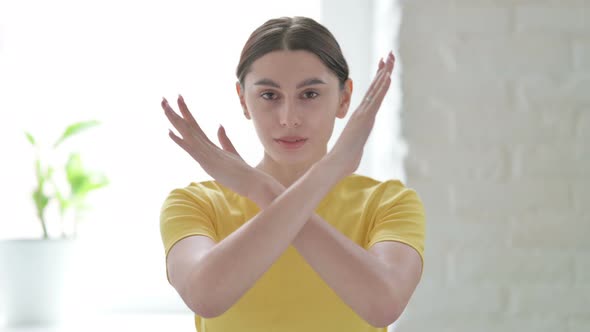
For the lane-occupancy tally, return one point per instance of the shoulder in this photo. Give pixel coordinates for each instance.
(378, 193)
(358, 182)
(211, 196)
(203, 190)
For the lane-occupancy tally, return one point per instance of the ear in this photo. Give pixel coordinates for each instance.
(242, 100)
(345, 96)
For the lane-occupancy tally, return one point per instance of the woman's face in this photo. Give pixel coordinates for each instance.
(293, 99)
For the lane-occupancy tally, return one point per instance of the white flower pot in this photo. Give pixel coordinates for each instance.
(35, 279)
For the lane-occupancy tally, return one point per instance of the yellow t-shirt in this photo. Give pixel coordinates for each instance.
(290, 296)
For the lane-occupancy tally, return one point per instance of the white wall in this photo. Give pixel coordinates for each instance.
(367, 31)
(68, 61)
(496, 113)
(113, 61)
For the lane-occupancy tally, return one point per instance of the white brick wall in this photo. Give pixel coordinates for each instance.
(496, 114)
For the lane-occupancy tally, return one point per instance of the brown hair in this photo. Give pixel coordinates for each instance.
(293, 33)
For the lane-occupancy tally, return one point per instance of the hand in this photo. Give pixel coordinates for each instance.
(347, 152)
(269, 187)
(227, 168)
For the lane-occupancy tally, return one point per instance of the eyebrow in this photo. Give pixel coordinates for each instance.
(307, 82)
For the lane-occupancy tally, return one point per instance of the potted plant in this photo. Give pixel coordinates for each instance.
(35, 273)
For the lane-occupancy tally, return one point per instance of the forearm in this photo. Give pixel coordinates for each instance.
(232, 266)
(356, 275)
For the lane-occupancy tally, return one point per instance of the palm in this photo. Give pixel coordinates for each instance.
(349, 147)
(226, 167)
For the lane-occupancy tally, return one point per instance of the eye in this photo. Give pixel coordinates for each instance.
(310, 94)
(269, 95)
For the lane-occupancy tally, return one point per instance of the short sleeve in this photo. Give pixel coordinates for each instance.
(186, 212)
(399, 217)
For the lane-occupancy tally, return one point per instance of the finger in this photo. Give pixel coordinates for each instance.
(178, 140)
(380, 66)
(389, 65)
(225, 142)
(176, 120)
(370, 94)
(195, 153)
(390, 62)
(381, 90)
(385, 69)
(195, 133)
(187, 115)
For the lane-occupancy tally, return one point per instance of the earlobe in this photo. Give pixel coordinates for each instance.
(345, 99)
(238, 88)
(242, 100)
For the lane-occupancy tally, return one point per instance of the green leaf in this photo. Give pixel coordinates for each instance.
(39, 172)
(43, 176)
(41, 201)
(63, 202)
(92, 181)
(74, 170)
(81, 180)
(87, 183)
(31, 138)
(49, 173)
(74, 129)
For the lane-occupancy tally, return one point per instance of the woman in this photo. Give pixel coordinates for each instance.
(299, 242)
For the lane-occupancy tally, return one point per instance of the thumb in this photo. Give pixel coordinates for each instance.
(225, 142)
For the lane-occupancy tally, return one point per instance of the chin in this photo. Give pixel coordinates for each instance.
(288, 157)
(285, 156)
(293, 159)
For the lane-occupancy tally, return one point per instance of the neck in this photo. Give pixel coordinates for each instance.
(285, 174)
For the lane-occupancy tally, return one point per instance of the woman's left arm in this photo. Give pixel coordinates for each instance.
(382, 278)
(379, 281)
(376, 283)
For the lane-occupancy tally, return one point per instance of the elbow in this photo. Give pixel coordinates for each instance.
(385, 312)
(384, 318)
(203, 305)
(204, 308)
(201, 300)
(205, 311)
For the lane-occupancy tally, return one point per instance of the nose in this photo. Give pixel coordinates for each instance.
(289, 116)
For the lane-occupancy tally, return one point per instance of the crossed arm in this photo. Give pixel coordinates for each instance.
(210, 277)
(376, 284)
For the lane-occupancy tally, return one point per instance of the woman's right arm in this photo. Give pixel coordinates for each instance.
(211, 277)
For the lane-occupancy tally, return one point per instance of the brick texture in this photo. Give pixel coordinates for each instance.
(496, 117)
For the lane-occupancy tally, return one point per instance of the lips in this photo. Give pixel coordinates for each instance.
(291, 142)
(291, 139)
